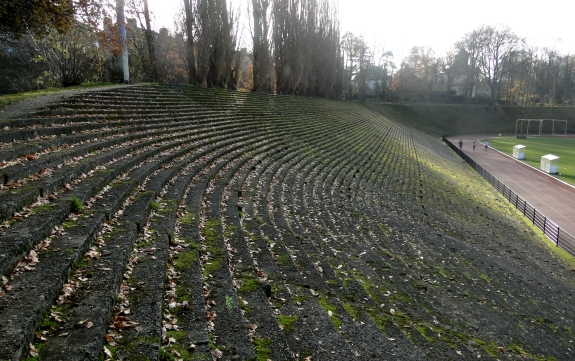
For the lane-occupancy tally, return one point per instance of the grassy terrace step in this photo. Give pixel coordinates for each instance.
(276, 221)
(447, 257)
(352, 248)
(210, 224)
(332, 278)
(276, 267)
(13, 201)
(136, 215)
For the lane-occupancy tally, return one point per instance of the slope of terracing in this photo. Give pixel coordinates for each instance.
(169, 223)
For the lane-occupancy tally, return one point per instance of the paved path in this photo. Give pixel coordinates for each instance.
(551, 197)
(29, 105)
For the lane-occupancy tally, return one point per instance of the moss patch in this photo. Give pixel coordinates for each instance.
(263, 350)
(287, 323)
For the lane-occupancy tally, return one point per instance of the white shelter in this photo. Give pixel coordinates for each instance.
(519, 151)
(549, 163)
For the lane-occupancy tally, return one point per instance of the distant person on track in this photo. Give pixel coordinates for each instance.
(474, 146)
(486, 145)
(460, 144)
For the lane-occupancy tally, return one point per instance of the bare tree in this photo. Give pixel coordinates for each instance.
(364, 61)
(190, 48)
(469, 47)
(349, 49)
(423, 63)
(358, 62)
(216, 35)
(71, 57)
(497, 48)
(144, 42)
(306, 47)
(379, 72)
(261, 46)
(150, 40)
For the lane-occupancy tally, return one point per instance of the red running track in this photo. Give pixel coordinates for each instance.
(550, 196)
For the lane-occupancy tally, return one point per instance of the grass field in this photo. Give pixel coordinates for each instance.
(537, 147)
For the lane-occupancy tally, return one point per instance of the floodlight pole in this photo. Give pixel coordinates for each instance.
(124, 41)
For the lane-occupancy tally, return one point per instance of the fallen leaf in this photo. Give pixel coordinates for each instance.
(93, 254)
(107, 352)
(216, 353)
(109, 338)
(32, 348)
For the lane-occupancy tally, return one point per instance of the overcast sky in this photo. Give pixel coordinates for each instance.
(400, 25)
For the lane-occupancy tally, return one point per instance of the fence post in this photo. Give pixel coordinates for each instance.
(544, 224)
(533, 220)
(524, 207)
(558, 230)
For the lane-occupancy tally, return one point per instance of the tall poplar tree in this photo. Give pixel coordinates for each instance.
(261, 48)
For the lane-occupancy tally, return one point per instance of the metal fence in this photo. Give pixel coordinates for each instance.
(561, 238)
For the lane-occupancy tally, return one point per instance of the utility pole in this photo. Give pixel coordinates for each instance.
(122, 27)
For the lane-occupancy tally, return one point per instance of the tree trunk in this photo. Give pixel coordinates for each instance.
(150, 41)
(192, 71)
